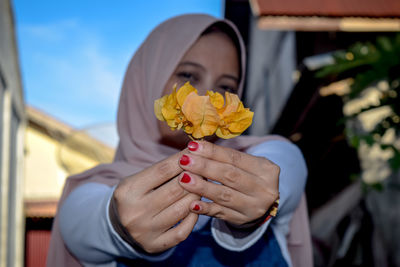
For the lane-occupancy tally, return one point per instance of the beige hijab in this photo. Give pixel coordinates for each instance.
(139, 147)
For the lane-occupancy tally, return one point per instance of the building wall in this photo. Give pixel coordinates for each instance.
(44, 176)
(53, 151)
(12, 123)
(44, 173)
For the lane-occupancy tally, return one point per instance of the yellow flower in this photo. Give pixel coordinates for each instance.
(217, 100)
(201, 116)
(235, 118)
(169, 107)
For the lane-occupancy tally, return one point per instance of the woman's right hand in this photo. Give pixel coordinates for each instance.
(150, 203)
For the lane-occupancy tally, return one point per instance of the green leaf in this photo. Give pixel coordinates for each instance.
(377, 186)
(354, 177)
(384, 43)
(394, 162)
(368, 63)
(386, 146)
(369, 139)
(355, 141)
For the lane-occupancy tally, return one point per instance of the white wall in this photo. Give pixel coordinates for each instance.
(12, 124)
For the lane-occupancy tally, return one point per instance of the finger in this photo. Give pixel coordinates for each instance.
(218, 193)
(165, 195)
(228, 155)
(174, 236)
(224, 173)
(156, 175)
(174, 213)
(217, 211)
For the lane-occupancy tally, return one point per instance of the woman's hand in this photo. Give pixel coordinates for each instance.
(151, 202)
(249, 184)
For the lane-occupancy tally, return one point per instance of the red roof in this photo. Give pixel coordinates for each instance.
(37, 244)
(327, 8)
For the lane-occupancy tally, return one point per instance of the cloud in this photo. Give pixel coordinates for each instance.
(87, 73)
(103, 79)
(70, 72)
(53, 32)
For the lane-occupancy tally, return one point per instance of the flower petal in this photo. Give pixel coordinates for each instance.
(158, 104)
(188, 129)
(231, 105)
(217, 100)
(169, 110)
(183, 92)
(199, 111)
(172, 124)
(241, 121)
(225, 134)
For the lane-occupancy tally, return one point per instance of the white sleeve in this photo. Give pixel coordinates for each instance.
(292, 180)
(87, 231)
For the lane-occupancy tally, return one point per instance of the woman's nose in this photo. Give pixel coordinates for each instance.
(205, 86)
(201, 90)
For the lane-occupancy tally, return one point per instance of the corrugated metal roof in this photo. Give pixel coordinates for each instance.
(328, 15)
(327, 8)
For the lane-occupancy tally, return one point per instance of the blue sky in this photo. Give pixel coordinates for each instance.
(73, 54)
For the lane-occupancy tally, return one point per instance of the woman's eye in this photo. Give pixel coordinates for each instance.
(228, 88)
(187, 76)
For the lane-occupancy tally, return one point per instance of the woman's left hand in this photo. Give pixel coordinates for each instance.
(249, 184)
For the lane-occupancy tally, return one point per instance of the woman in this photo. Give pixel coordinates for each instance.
(151, 204)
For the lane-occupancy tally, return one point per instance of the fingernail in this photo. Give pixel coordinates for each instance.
(185, 160)
(196, 207)
(185, 178)
(193, 146)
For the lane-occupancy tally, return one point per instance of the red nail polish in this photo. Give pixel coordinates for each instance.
(185, 178)
(193, 146)
(196, 207)
(185, 160)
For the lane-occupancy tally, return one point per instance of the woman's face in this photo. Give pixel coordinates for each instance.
(212, 63)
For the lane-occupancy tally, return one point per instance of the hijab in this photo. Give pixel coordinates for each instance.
(139, 146)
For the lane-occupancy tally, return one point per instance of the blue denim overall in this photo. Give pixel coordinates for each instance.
(200, 249)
